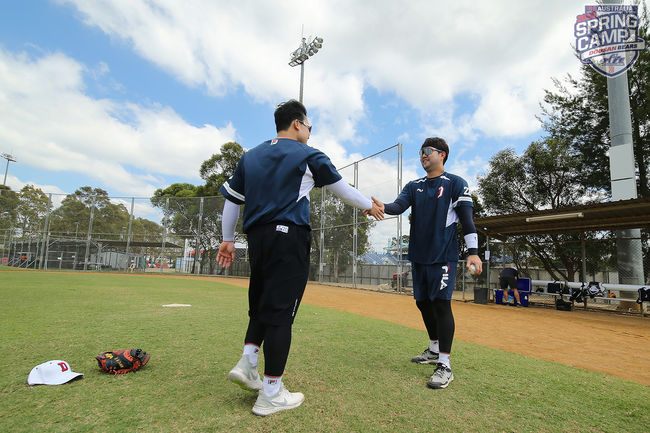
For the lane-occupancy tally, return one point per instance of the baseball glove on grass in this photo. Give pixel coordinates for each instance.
(122, 361)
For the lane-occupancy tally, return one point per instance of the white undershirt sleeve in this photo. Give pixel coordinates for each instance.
(229, 219)
(350, 195)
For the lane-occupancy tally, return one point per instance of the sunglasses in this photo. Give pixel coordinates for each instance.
(307, 124)
(426, 151)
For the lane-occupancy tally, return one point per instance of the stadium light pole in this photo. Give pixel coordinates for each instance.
(302, 53)
(9, 158)
(629, 249)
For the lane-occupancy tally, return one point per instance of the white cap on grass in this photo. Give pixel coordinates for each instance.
(54, 372)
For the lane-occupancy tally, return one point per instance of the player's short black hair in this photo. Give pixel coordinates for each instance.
(437, 143)
(287, 112)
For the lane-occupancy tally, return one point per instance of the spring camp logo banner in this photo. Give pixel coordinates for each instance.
(607, 38)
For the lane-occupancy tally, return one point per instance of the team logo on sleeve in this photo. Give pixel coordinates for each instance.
(607, 38)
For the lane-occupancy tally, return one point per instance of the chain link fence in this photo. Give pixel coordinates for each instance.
(585, 259)
(94, 232)
(181, 235)
(576, 257)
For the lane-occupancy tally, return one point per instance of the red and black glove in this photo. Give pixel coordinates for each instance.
(122, 361)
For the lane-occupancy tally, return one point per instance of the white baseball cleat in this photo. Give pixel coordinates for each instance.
(245, 375)
(283, 400)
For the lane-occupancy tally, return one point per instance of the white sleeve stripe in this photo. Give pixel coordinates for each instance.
(234, 193)
(463, 198)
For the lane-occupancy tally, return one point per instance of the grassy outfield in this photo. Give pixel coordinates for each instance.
(355, 372)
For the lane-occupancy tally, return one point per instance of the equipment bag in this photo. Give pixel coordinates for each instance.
(578, 295)
(554, 288)
(563, 305)
(644, 295)
(594, 289)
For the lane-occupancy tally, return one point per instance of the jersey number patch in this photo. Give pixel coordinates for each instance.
(440, 191)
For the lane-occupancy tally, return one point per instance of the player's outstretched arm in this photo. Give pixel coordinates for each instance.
(395, 208)
(353, 197)
(229, 218)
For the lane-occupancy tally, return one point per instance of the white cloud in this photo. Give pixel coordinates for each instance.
(469, 69)
(503, 52)
(16, 184)
(468, 166)
(142, 208)
(126, 147)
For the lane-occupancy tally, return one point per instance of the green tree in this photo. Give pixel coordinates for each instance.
(338, 219)
(220, 166)
(32, 209)
(181, 205)
(577, 112)
(71, 218)
(109, 220)
(8, 209)
(546, 176)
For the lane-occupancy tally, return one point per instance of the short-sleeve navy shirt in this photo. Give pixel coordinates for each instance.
(273, 181)
(434, 233)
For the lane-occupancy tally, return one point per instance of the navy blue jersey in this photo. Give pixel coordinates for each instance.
(434, 233)
(273, 181)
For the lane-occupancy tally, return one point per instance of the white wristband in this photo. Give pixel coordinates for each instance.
(471, 240)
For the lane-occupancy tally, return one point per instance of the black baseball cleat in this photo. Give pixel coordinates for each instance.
(427, 357)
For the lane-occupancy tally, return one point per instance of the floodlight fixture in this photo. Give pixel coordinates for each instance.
(302, 53)
(9, 158)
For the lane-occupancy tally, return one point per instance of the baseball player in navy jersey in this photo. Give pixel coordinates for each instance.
(438, 202)
(273, 181)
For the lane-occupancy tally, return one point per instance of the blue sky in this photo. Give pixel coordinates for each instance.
(132, 95)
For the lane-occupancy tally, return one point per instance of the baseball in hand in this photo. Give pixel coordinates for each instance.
(472, 268)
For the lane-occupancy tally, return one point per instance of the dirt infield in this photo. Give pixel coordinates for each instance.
(608, 343)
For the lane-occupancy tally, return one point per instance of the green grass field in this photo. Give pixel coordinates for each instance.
(354, 371)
